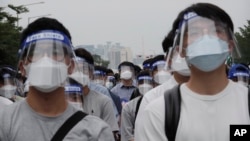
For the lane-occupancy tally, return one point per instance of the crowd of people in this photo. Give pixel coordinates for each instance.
(54, 82)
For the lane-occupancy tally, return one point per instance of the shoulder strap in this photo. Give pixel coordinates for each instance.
(68, 125)
(138, 106)
(172, 111)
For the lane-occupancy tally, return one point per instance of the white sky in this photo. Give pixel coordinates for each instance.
(138, 24)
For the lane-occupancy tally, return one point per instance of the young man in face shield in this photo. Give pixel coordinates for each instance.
(94, 102)
(210, 102)
(129, 111)
(159, 72)
(46, 60)
(7, 84)
(180, 74)
(126, 86)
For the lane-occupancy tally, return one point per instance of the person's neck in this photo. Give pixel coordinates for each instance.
(85, 90)
(48, 104)
(180, 78)
(127, 82)
(208, 83)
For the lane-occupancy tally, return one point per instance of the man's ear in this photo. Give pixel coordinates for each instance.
(21, 68)
(231, 45)
(71, 66)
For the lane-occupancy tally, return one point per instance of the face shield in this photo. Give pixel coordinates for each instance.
(110, 82)
(242, 78)
(81, 71)
(205, 43)
(160, 73)
(46, 56)
(176, 63)
(74, 95)
(127, 72)
(145, 83)
(99, 77)
(7, 85)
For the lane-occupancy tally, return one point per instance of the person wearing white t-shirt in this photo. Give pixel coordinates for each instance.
(210, 102)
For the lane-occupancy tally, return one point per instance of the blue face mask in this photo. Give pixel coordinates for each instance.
(207, 53)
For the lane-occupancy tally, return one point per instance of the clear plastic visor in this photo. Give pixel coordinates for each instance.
(100, 75)
(46, 63)
(195, 29)
(145, 80)
(73, 95)
(159, 65)
(7, 87)
(241, 76)
(81, 71)
(125, 69)
(175, 62)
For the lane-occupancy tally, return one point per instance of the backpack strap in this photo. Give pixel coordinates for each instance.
(68, 125)
(138, 106)
(172, 99)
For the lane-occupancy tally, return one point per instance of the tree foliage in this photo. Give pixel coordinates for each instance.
(243, 38)
(99, 61)
(10, 35)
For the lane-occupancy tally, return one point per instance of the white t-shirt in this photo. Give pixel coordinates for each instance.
(151, 96)
(5, 101)
(203, 117)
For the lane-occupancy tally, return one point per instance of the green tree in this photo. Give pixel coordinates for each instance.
(243, 38)
(9, 36)
(99, 61)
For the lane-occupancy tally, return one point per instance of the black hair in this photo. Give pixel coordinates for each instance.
(207, 10)
(44, 23)
(109, 71)
(83, 53)
(126, 63)
(168, 41)
(100, 68)
(143, 73)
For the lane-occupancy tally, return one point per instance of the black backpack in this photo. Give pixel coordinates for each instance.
(173, 108)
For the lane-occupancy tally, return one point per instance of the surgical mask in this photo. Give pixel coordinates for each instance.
(98, 81)
(109, 85)
(80, 78)
(77, 105)
(126, 75)
(8, 91)
(161, 76)
(144, 88)
(180, 65)
(207, 53)
(46, 75)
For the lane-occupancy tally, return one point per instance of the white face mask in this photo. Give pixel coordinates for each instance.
(207, 53)
(161, 76)
(126, 75)
(180, 65)
(77, 105)
(46, 75)
(8, 91)
(144, 88)
(109, 85)
(80, 78)
(98, 81)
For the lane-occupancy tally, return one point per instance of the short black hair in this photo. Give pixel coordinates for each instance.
(207, 10)
(44, 23)
(126, 63)
(168, 41)
(83, 53)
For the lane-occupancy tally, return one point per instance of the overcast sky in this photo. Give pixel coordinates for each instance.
(138, 24)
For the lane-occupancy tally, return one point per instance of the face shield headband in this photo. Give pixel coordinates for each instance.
(194, 28)
(52, 35)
